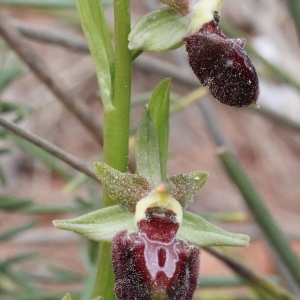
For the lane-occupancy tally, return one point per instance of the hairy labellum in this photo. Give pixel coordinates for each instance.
(223, 65)
(152, 263)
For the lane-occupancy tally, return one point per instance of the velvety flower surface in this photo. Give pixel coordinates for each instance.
(223, 65)
(153, 263)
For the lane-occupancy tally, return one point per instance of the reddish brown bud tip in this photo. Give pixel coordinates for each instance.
(223, 65)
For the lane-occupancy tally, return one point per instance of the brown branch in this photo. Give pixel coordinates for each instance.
(251, 277)
(55, 37)
(72, 102)
(48, 147)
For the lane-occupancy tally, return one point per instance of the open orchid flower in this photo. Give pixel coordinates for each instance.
(150, 255)
(218, 62)
(153, 263)
(155, 242)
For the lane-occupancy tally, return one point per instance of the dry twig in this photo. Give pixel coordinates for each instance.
(72, 102)
(50, 148)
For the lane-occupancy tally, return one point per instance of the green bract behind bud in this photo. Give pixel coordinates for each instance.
(159, 30)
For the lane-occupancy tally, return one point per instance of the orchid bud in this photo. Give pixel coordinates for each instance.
(223, 65)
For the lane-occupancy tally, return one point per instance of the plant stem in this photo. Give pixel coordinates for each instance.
(116, 132)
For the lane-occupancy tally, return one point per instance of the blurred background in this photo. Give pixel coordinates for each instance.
(40, 262)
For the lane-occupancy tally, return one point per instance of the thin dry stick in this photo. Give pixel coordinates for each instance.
(68, 41)
(250, 276)
(42, 71)
(50, 148)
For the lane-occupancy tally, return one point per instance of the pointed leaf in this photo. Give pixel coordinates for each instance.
(147, 150)
(159, 107)
(97, 36)
(100, 225)
(126, 189)
(187, 186)
(200, 232)
(159, 30)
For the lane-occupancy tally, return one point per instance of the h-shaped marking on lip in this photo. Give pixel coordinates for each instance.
(151, 252)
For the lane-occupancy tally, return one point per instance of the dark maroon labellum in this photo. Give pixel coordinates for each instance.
(223, 65)
(152, 263)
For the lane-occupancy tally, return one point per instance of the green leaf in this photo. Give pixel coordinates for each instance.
(46, 4)
(187, 186)
(16, 260)
(159, 107)
(104, 224)
(97, 36)
(2, 177)
(76, 182)
(10, 69)
(126, 189)
(100, 225)
(21, 109)
(201, 233)
(9, 203)
(9, 234)
(159, 30)
(147, 150)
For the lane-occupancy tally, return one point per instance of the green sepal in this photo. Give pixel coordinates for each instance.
(101, 225)
(159, 107)
(202, 233)
(104, 224)
(125, 188)
(147, 150)
(159, 30)
(181, 6)
(187, 186)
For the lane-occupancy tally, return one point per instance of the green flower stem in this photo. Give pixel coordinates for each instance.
(271, 230)
(116, 118)
(105, 280)
(116, 133)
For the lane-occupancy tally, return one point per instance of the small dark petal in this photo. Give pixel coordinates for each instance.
(188, 273)
(236, 84)
(223, 65)
(206, 55)
(159, 228)
(130, 284)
